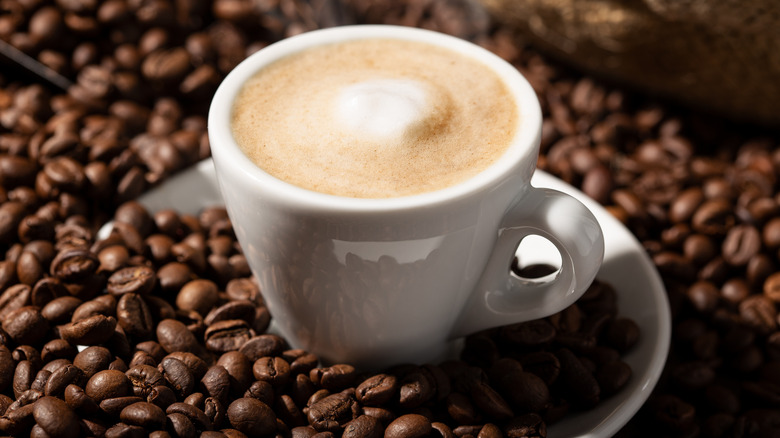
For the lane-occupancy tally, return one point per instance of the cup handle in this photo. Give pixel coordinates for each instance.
(501, 297)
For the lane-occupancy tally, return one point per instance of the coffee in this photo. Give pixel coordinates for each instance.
(374, 118)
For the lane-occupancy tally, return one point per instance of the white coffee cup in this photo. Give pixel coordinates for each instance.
(376, 282)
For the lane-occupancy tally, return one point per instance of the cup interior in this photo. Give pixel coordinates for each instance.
(520, 154)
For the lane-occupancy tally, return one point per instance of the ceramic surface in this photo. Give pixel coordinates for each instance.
(378, 282)
(641, 295)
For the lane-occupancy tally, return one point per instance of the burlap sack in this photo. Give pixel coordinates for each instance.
(721, 55)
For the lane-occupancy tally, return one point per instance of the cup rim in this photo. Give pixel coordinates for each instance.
(524, 145)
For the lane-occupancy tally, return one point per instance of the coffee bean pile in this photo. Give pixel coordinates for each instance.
(160, 329)
(699, 193)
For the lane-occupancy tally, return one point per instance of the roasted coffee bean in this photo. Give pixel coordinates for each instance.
(152, 348)
(133, 315)
(525, 392)
(771, 287)
(227, 335)
(7, 365)
(113, 258)
(409, 426)
(377, 390)
(28, 268)
(46, 290)
(532, 333)
(134, 214)
(161, 396)
(489, 401)
(261, 390)
(143, 414)
(490, 430)
(333, 412)
(273, 370)
(196, 399)
(198, 295)
(241, 309)
(38, 384)
(63, 377)
(575, 376)
(461, 408)
(303, 432)
(193, 321)
(195, 364)
(93, 359)
(196, 416)
(14, 298)
(302, 364)
(179, 377)
(144, 378)
(714, 217)
(741, 244)
(108, 384)
(26, 325)
(7, 278)
(166, 65)
(467, 430)
(735, 290)
(125, 431)
(135, 279)
(94, 330)
(180, 425)
(55, 417)
(416, 388)
(527, 425)
(243, 289)
(442, 429)
(74, 265)
(672, 412)
(301, 389)
(159, 308)
(622, 334)
(262, 346)
(57, 349)
(613, 376)
(288, 412)
(759, 312)
(94, 307)
(251, 417)
(114, 406)
(363, 426)
(174, 336)
(77, 399)
(335, 377)
(173, 276)
(239, 368)
(216, 382)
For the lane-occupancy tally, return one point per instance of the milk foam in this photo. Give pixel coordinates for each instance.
(374, 118)
(382, 107)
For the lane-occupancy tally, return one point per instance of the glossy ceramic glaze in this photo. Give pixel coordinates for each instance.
(375, 282)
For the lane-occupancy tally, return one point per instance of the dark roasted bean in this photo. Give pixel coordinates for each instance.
(273, 370)
(93, 330)
(409, 426)
(251, 416)
(377, 390)
(108, 384)
(333, 412)
(227, 335)
(135, 279)
(179, 377)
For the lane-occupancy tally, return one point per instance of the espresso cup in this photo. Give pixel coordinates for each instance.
(385, 277)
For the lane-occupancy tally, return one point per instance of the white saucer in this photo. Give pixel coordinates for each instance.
(641, 294)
